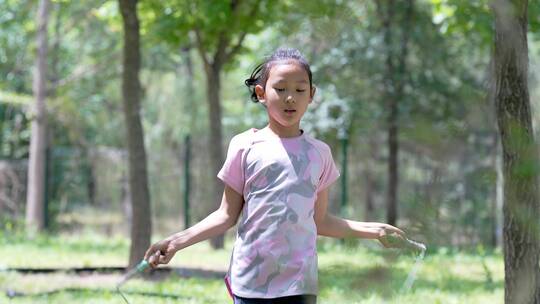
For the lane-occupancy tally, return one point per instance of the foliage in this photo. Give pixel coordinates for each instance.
(446, 128)
(207, 25)
(443, 116)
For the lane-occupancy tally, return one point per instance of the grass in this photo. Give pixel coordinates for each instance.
(365, 274)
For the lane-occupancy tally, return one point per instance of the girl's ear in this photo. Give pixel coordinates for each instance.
(313, 90)
(259, 90)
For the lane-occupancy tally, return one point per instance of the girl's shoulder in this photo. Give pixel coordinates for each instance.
(319, 145)
(245, 134)
(244, 138)
(252, 136)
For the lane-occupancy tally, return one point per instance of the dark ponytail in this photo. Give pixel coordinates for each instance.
(259, 76)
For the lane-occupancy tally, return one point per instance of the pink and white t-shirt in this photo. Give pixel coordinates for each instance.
(275, 253)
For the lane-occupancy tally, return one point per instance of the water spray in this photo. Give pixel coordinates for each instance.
(412, 274)
(395, 240)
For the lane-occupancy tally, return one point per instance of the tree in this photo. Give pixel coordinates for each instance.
(141, 224)
(395, 71)
(35, 210)
(442, 106)
(521, 208)
(214, 57)
(217, 30)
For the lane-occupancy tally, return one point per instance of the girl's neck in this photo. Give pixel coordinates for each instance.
(285, 132)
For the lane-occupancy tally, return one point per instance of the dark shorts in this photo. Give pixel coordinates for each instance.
(299, 299)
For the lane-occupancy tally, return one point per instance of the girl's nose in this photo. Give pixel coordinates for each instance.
(290, 99)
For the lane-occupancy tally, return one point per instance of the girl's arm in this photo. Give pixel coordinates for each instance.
(333, 226)
(213, 225)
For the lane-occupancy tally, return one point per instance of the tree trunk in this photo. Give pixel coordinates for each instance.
(91, 178)
(141, 227)
(520, 159)
(494, 205)
(191, 105)
(35, 212)
(369, 209)
(499, 196)
(395, 68)
(393, 154)
(125, 198)
(215, 140)
(370, 180)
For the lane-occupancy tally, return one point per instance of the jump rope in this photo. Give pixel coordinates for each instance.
(140, 268)
(393, 239)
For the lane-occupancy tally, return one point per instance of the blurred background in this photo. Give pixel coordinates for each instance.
(403, 100)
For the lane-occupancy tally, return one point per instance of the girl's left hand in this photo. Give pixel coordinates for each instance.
(391, 237)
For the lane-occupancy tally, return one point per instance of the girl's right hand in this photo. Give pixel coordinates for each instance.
(166, 251)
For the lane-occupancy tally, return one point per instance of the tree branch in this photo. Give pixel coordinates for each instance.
(83, 71)
(201, 49)
(238, 45)
(221, 55)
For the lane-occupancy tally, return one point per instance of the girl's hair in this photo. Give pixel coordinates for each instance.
(261, 72)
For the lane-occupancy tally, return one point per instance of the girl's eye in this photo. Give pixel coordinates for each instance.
(279, 90)
(300, 91)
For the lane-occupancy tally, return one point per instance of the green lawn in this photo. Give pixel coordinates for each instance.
(366, 274)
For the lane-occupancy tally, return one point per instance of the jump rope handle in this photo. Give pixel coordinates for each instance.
(142, 266)
(402, 242)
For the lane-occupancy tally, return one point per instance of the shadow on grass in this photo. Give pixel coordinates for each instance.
(53, 295)
(387, 282)
(157, 274)
(85, 292)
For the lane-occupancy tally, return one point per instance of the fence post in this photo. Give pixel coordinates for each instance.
(187, 156)
(46, 220)
(344, 158)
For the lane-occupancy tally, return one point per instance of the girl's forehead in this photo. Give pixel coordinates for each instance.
(288, 71)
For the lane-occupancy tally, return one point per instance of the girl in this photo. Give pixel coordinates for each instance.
(276, 182)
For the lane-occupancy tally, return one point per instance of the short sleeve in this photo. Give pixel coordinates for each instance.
(330, 173)
(232, 172)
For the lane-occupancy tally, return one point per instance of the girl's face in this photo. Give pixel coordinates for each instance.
(286, 97)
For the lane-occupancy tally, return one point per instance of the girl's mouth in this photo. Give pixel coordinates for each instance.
(290, 110)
